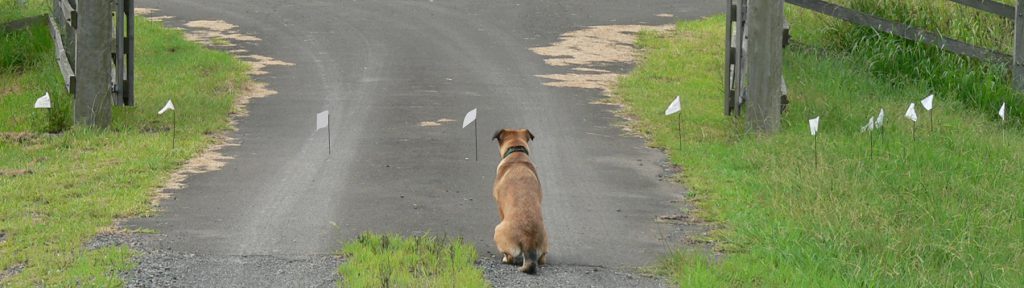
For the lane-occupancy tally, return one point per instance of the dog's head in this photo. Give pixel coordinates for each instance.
(512, 137)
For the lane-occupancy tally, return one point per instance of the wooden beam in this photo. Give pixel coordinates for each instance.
(999, 9)
(118, 77)
(901, 30)
(70, 14)
(739, 56)
(129, 48)
(1018, 47)
(24, 23)
(730, 15)
(93, 104)
(62, 58)
(765, 23)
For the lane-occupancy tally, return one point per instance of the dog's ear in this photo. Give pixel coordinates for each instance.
(497, 135)
(528, 133)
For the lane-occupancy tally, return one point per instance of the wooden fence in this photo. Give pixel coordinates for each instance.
(753, 54)
(736, 41)
(70, 40)
(935, 39)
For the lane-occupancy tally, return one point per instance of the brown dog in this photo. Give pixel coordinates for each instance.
(517, 192)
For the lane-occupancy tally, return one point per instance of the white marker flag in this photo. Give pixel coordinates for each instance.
(168, 106)
(814, 125)
(878, 120)
(322, 119)
(43, 102)
(870, 126)
(470, 117)
(1002, 111)
(927, 102)
(673, 108)
(911, 113)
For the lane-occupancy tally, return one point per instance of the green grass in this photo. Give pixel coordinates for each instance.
(978, 84)
(81, 178)
(946, 209)
(10, 10)
(374, 260)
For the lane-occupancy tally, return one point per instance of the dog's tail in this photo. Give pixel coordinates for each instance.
(529, 261)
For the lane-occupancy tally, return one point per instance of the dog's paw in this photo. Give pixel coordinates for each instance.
(506, 259)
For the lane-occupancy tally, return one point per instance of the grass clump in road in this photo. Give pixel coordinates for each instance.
(60, 185)
(374, 260)
(946, 209)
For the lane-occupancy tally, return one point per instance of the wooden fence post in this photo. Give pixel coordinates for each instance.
(93, 63)
(727, 80)
(1018, 46)
(764, 68)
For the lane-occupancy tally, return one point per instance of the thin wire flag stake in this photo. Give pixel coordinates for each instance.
(927, 104)
(323, 120)
(870, 127)
(878, 123)
(911, 114)
(174, 120)
(813, 123)
(1002, 117)
(471, 118)
(871, 137)
(44, 103)
(674, 108)
(1002, 112)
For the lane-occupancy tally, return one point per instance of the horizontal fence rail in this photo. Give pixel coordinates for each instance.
(63, 60)
(1015, 62)
(999, 9)
(902, 30)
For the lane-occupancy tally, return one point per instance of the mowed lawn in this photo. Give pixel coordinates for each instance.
(61, 184)
(944, 208)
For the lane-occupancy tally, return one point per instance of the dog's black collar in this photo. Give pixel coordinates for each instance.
(515, 149)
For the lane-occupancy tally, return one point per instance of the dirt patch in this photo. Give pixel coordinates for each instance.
(589, 50)
(602, 81)
(581, 69)
(258, 62)
(214, 25)
(13, 270)
(10, 89)
(254, 90)
(145, 11)
(14, 172)
(595, 45)
(18, 137)
(435, 123)
(160, 18)
(215, 33)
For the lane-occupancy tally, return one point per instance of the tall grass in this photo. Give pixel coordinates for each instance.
(10, 10)
(977, 83)
(942, 209)
(26, 58)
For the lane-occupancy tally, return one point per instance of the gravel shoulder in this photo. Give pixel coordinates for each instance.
(503, 275)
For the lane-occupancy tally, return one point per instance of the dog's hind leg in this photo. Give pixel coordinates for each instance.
(509, 249)
(530, 262)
